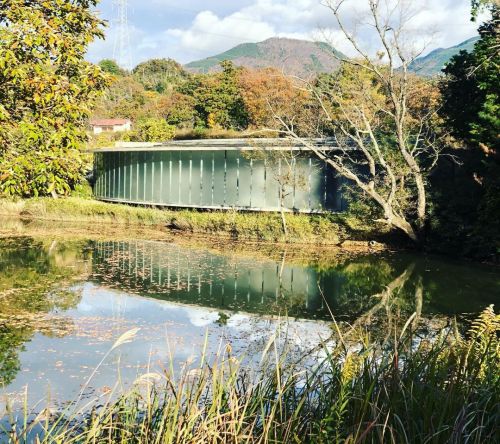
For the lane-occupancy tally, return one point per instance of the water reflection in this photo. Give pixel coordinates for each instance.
(200, 277)
(347, 287)
(63, 303)
(29, 272)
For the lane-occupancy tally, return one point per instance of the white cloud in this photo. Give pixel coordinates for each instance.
(209, 34)
(197, 29)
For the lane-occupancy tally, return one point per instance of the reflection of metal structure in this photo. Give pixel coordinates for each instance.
(214, 174)
(199, 277)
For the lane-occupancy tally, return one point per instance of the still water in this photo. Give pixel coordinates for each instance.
(64, 303)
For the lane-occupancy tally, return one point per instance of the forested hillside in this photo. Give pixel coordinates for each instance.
(294, 57)
(433, 63)
(234, 98)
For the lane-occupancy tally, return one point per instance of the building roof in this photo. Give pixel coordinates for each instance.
(223, 145)
(109, 122)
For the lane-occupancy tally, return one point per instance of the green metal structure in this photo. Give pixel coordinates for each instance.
(264, 175)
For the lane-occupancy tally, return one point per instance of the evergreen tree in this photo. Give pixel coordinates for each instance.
(46, 93)
(471, 107)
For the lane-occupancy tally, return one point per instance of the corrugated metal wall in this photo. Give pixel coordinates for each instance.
(216, 179)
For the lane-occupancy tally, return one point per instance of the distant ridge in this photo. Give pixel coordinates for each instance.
(295, 57)
(304, 58)
(432, 64)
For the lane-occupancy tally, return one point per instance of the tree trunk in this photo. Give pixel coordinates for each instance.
(403, 225)
(283, 223)
(283, 218)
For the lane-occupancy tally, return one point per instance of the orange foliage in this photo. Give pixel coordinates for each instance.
(176, 108)
(267, 92)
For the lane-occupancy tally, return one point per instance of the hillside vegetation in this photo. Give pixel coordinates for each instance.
(294, 57)
(433, 63)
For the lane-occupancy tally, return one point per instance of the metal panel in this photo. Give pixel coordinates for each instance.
(219, 178)
(216, 179)
(141, 177)
(149, 173)
(331, 190)
(185, 164)
(232, 183)
(208, 179)
(121, 175)
(167, 177)
(115, 181)
(244, 179)
(174, 178)
(195, 182)
(317, 189)
(156, 182)
(134, 177)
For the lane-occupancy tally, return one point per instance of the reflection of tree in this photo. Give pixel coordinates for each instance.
(30, 269)
(30, 272)
(386, 299)
(349, 286)
(11, 343)
(276, 286)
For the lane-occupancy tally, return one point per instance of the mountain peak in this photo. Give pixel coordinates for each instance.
(295, 57)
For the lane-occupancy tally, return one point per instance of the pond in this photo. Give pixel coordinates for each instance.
(64, 303)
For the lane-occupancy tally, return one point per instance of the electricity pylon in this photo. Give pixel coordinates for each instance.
(121, 49)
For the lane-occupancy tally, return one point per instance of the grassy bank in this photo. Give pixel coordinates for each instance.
(400, 390)
(302, 228)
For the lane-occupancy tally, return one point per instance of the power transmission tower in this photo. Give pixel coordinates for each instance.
(121, 49)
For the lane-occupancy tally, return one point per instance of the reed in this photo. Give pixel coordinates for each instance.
(400, 390)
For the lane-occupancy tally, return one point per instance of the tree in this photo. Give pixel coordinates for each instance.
(386, 146)
(111, 67)
(218, 100)
(471, 93)
(268, 91)
(46, 93)
(160, 75)
(153, 130)
(471, 108)
(125, 98)
(177, 109)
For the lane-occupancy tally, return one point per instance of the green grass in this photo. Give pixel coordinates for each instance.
(251, 226)
(393, 391)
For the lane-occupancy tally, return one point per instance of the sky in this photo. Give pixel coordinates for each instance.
(194, 29)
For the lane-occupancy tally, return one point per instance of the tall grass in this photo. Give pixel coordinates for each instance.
(303, 228)
(399, 391)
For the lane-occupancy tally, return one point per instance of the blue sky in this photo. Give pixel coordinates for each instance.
(194, 29)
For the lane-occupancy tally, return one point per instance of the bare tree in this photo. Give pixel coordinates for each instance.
(282, 164)
(382, 116)
(287, 173)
